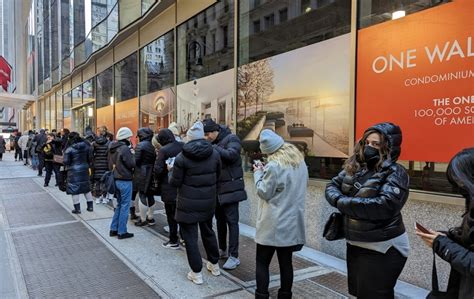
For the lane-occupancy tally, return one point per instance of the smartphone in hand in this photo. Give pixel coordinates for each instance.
(421, 228)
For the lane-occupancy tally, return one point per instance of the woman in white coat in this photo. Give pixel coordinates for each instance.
(281, 188)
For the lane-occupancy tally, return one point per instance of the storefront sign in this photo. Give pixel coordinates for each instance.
(418, 72)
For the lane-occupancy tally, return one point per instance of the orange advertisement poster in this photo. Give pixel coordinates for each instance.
(67, 122)
(126, 115)
(105, 117)
(418, 72)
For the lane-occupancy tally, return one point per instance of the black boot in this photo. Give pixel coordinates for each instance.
(284, 295)
(77, 209)
(261, 295)
(133, 216)
(90, 206)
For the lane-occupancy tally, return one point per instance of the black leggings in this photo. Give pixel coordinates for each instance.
(372, 274)
(285, 260)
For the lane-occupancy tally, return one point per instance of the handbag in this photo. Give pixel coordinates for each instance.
(62, 184)
(58, 159)
(334, 227)
(435, 292)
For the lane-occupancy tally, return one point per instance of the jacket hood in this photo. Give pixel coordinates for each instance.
(165, 136)
(114, 146)
(81, 145)
(393, 134)
(198, 149)
(101, 140)
(223, 133)
(145, 134)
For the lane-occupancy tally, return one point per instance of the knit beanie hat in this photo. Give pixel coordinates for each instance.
(270, 142)
(174, 128)
(196, 131)
(210, 125)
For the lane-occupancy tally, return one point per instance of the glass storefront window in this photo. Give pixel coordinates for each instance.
(371, 12)
(53, 111)
(205, 48)
(67, 34)
(88, 91)
(46, 44)
(59, 111)
(126, 78)
(105, 88)
(112, 23)
(158, 109)
(129, 11)
(55, 42)
(279, 26)
(77, 96)
(47, 113)
(157, 64)
(146, 5)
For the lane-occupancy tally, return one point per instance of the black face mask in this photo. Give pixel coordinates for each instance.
(371, 156)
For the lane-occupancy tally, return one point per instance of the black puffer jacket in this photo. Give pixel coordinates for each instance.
(195, 174)
(145, 157)
(461, 259)
(99, 157)
(231, 188)
(77, 160)
(121, 157)
(372, 214)
(170, 148)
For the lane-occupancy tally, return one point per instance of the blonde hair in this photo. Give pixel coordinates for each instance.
(287, 155)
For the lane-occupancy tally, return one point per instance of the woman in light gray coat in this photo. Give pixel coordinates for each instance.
(281, 187)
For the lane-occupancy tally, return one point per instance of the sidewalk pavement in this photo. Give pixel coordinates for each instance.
(49, 252)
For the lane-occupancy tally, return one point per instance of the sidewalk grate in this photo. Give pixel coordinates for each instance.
(69, 261)
(307, 289)
(34, 209)
(14, 187)
(247, 252)
(334, 281)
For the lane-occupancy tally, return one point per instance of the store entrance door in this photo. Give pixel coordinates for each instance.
(83, 117)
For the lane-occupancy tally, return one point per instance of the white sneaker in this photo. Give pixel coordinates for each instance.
(195, 277)
(97, 200)
(213, 268)
(105, 200)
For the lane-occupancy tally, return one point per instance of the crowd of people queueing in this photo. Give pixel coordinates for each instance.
(199, 176)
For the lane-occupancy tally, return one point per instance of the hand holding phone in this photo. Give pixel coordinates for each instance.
(422, 229)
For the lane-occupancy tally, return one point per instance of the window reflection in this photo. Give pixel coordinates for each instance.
(280, 26)
(104, 88)
(88, 91)
(130, 10)
(206, 45)
(59, 110)
(126, 78)
(77, 96)
(157, 64)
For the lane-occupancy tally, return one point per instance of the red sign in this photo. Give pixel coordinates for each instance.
(5, 73)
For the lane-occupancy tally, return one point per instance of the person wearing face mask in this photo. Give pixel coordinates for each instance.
(122, 163)
(370, 192)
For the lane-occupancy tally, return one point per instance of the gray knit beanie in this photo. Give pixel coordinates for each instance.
(270, 142)
(196, 131)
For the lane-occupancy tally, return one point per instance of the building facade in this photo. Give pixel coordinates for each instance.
(318, 72)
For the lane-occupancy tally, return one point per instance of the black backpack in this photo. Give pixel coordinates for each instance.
(107, 183)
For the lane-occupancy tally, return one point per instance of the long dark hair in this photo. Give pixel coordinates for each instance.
(461, 175)
(357, 161)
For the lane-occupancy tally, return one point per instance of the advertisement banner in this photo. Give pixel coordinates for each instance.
(418, 72)
(126, 115)
(105, 117)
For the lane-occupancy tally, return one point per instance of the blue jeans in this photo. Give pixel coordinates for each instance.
(34, 161)
(119, 221)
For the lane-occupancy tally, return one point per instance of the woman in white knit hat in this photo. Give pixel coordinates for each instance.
(281, 188)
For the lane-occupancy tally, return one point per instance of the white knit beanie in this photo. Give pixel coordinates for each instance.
(196, 131)
(174, 128)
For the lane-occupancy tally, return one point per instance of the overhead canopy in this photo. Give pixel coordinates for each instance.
(18, 101)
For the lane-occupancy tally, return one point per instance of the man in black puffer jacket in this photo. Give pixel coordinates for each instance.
(99, 166)
(145, 157)
(195, 173)
(170, 148)
(230, 189)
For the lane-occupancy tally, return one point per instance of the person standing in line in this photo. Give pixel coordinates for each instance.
(51, 148)
(104, 132)
(230, 190)
(370, 193)
(173, 127)
(145, 157)
(18, 151)
(3, 147)
(77, 161)
(23, 144)
(122, 163)
(99, 166)
(281, 188)
(33, 153)
(457, 246)
(64, 138)
(195, 173)
(40, 141)
(170, 148)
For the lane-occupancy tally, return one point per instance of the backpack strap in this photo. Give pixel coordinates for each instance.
(434, 275)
